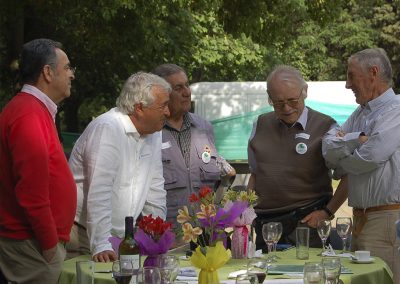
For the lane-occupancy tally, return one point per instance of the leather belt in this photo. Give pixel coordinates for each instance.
(362, 219)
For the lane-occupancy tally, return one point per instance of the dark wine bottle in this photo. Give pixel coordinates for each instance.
(129, 249)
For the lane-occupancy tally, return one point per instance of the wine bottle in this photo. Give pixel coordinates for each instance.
(129, 249)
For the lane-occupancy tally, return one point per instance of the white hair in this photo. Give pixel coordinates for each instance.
(138, 89)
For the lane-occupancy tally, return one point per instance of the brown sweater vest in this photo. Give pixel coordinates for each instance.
(286, 180)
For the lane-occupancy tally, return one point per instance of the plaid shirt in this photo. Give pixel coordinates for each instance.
(182, 137)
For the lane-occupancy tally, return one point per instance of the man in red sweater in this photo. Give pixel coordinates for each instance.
(37, 190)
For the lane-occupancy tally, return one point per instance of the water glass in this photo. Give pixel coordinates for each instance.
(313, 273)
(278, 237)
(259, 267)
(332, 267)
(169, 268)
(270, 234)
(84, 272)
(149, 275)
(302, 242)
(343, 226)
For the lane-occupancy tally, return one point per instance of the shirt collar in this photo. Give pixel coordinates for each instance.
(50, 105)
(128, 125)
(302, 120)
(381, 100)
(187, 121)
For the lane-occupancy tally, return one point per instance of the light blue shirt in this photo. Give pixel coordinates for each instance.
(374, 166)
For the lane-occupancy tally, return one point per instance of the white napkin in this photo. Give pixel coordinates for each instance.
(234, 274)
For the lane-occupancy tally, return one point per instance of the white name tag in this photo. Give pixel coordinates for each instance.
(166, 145)
(302, 135)
(144, 155)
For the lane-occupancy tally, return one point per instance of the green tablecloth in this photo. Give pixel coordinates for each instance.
(376, 272)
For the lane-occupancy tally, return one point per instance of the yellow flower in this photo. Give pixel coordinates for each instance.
(183, 215)
(190, 233)
(206, 212)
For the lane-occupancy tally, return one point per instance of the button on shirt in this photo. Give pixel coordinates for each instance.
(373, 167)
(118, 173)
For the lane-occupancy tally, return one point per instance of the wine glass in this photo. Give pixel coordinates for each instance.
(169, 267)
(279, 231)
(259, 267)
(122, 271)
(270, 233)
(149, 275)
(246, 278)
(331, 266)
(323, 229)
(343, 225)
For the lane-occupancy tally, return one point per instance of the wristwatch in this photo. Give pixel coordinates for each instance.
(330, 214)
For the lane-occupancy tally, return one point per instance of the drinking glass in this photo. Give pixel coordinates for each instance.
(279, 230)
(331, 266)
(313, 273)
(122, 271)
(169, 267)
(246, 279)
(324, 229)
(149, 275)
(270, 233)
(259, 267)
(343, 226)
(84, 272)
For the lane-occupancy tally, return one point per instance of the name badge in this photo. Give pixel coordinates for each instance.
(166, 145)
(206, 157)
(301, 148)
(302, 135)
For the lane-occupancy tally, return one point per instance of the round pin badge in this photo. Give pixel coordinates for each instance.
(301, 148)
(206, 157)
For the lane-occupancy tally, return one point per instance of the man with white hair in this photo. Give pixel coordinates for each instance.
(367, 149)
(117, 167)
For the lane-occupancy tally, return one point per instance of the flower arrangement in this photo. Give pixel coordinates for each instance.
(242, 244)
(204, 222)
(154, 237)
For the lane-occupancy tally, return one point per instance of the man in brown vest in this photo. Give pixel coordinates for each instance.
(288, 171)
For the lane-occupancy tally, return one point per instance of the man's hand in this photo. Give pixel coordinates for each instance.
(105, 256)
(362, 139)
(340, 134)
(313, 218)
(49, 254)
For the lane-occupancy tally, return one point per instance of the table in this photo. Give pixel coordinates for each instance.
(376, 272)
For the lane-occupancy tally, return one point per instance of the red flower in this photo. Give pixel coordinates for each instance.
(204, 191)
(193, 198)
(155, 227)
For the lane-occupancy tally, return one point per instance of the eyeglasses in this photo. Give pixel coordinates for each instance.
(69, 67)
(289, 102)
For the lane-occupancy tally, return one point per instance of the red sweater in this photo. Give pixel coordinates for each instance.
(37, 190)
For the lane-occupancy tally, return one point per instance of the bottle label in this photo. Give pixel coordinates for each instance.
(135, 259)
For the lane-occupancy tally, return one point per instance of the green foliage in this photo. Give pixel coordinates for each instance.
(215, 40)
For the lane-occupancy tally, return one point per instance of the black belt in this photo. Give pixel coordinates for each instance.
(79, 225)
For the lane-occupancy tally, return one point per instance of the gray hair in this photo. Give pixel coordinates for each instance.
(287, 70)
(138, 89)
(374, 57)
(167, 69)
(35, 55)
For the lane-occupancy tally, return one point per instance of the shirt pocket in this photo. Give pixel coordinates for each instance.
(171, 179)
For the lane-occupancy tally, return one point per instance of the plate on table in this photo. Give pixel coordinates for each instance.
(356, 260)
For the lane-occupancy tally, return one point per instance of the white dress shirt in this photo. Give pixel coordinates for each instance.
(118, 173)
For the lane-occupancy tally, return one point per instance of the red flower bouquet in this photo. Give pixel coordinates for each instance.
(154, 237)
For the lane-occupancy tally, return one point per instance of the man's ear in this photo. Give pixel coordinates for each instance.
(47, 73)
(374, 71)
(305, 91)
(138, 109)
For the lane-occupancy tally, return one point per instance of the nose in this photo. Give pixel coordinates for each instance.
(187, 92)
(167, 112)
(348, 84)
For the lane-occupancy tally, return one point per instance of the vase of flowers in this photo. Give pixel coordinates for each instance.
(242, 244)
(204, 222)
(154, 237)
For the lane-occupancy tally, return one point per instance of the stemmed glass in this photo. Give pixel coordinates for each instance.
(279, 230)
(246, 279)
(332, 267)
(270, 234)
(169, 268)
(323, 229)
(122, 271)
(259, 267)
(149, 275)
(343, 226)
